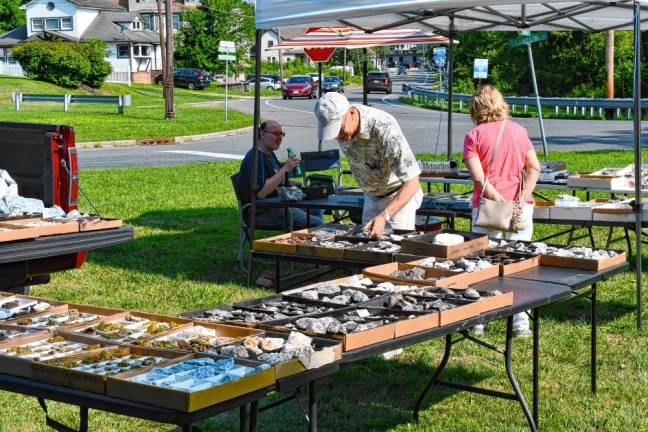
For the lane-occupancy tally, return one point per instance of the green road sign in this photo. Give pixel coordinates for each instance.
(525, 40)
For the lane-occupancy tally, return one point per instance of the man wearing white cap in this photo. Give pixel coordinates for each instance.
(381, 160)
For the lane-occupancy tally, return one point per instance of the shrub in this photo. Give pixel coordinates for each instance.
(67, 64)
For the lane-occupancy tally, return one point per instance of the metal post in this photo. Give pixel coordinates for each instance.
(255, 136)
(66, 103)
(450, 81)
(319, 83)
(364, 76)
(538, 107)
(227, 79)
(636, 120)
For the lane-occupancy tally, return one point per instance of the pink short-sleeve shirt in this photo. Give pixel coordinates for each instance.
(510, 158)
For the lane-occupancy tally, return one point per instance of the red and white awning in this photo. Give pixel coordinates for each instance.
(349, 37)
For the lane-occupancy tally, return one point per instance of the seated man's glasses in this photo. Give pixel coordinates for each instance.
(277, 134)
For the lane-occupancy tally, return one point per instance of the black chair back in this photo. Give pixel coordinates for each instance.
(320, 161)
(236, 185)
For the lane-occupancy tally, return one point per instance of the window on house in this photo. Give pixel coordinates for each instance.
(141, 50)
(137, 25)
(37, 24)
(66, 23)
(270, 44)
(52, 24)
(176, 21)
(123, 51)
(10, 58)
(148, 23)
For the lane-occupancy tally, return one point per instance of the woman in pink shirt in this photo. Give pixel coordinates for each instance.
(514, 158)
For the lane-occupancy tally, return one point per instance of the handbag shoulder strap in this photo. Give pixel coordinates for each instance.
(494, 152)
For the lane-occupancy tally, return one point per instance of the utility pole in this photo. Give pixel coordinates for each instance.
(162, 42)
(344, 65)
(609, 64)
(169, 109)
(280, 55)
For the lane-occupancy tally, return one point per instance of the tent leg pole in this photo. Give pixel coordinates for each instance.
(636, 120)
(364, 77)
(255, 134)
(450, 80)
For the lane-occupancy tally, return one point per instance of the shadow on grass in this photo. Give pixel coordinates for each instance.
(579, 311)
(198, 244)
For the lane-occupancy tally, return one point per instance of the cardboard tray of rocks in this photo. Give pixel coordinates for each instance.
(258, 303)
(357, 238)
(575, 263)
(361, 253)
(187, 401)
(327, 351)
(43, 227)
(280, 243)
(523, 261)
(88, 381)
(101, 313)
(422, 245)
(299, 293)
(202, 315)
(403, 326)
(445, 278)
(85, 328)
(23, 367)
(94, 223)
(232, 333)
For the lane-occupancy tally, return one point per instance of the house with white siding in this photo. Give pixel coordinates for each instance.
(129, 27)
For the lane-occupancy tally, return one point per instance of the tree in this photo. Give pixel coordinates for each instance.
(11, 16)
(205, 27)
(67, 64)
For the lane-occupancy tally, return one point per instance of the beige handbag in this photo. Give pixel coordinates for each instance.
(496, 215)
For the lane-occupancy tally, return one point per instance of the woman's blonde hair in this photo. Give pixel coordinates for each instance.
(488, 105)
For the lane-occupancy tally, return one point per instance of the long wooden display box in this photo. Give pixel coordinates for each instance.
(423, 246)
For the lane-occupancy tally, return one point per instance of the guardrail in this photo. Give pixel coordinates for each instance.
(570, 106)
(67, 99)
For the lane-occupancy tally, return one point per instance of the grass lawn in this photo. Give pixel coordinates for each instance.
(144, 119)
(183, 258)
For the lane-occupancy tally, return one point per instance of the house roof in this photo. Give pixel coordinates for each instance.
(104, 28)
(98, 4)
(13, 37)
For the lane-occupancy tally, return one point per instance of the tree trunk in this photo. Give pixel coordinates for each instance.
(609, 64)
(168, 83)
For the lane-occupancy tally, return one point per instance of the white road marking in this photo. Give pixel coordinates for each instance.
(403, 106)
(206, 154)
(267, 102)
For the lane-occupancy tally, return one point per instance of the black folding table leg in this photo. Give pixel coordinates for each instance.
(254, 416)
(511, 377)
(312, 406)
(277, 276)
(593, 339)
(243, 418)
(433, 380)
(536, 348)
(186, 427)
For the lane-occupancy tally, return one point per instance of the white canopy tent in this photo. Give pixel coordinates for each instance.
(449, 17)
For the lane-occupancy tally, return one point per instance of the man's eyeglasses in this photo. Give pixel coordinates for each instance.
(277, 134)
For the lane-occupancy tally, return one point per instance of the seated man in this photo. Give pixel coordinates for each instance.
(270, 175)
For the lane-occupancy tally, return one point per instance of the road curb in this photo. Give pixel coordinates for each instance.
(163, 140)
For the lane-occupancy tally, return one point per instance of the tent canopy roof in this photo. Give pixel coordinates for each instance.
(349, 37)
(434, 15)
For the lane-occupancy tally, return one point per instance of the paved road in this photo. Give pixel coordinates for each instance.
(426, 132)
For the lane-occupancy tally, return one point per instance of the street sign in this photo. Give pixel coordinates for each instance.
(228, 44)
(226, 57)
(319, 54)
(439, 56)
(480, 69)
(528, 39)
(226, 50)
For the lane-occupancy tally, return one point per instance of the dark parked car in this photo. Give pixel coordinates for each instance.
(299, 85)
(332, 83)
(379, 81)
(273, 77)
(188, 77)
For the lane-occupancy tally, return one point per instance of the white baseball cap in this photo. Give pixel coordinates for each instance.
(329, 110)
